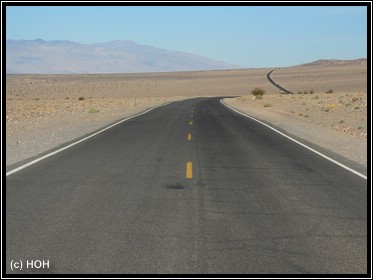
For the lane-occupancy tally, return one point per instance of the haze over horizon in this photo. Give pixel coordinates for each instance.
(68, 57)
(249, 36)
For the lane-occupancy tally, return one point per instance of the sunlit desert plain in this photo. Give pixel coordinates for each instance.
(328, 107)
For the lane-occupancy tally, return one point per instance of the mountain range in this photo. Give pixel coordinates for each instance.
(67, 57)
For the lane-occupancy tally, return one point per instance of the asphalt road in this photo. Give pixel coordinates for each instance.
(122, 202)
(282, 89)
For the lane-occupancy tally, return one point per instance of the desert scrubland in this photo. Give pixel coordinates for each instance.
(45, 111)
(328, 107)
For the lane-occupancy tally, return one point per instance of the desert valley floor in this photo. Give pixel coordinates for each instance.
(45, 111)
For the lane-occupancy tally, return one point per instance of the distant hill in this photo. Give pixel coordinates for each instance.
(66, 57)
(335, 62)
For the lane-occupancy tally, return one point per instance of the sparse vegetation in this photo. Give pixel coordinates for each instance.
(93, 110)
(306, 92)
(258, 92)
(101, 94)
(328, 106)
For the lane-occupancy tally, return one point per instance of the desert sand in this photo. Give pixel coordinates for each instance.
(46, 111)
(328, 109)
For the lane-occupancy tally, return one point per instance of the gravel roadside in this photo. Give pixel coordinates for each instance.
(337, 128)
(32, 130)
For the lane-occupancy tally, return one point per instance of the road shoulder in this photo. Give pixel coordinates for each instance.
(31, 137)
(277, 111)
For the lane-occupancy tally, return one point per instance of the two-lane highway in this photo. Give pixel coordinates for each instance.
(282, 89)
(191, 187)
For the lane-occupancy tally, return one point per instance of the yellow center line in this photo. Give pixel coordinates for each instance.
(189, 170)
(189, 136)
(190, 123)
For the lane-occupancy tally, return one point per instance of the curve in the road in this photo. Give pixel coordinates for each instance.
(269, 78)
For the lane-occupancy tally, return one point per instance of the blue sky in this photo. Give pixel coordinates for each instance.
(250, 36)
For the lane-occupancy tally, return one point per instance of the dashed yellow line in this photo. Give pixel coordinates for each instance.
(189, 165)
(189, 170)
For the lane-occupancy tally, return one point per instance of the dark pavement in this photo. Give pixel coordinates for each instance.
(121, 201)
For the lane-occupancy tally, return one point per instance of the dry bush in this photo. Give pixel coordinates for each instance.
(258, 92)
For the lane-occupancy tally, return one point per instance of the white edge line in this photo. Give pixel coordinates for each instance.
(292, 139)
(81, 140)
